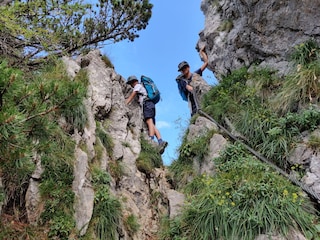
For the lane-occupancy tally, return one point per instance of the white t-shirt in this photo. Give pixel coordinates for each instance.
(142, 92)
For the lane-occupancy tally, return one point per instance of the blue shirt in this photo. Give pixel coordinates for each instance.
(182, 84)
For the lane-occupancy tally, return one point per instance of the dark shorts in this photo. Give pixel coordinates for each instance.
(149, 110)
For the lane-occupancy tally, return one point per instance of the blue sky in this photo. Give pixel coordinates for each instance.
(170, 37)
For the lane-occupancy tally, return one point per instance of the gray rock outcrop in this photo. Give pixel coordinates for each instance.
(242, 33)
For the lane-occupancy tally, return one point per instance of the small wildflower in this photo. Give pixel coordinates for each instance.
(233, 204)
(285, 192)
(294, 197)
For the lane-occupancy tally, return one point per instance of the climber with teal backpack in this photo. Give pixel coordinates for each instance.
(148, 95)
(152, 90)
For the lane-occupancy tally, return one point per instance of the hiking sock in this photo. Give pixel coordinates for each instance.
(160, 140)
(151, 137)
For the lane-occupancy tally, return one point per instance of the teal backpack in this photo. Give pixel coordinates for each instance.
(152, 90)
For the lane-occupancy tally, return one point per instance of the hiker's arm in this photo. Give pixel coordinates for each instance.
(189, 88)
(182, 84)
(131, 97)
(204, 58)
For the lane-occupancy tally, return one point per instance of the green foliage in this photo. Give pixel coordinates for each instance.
(30, 108)
(274, 136)
(106, 212)
(225, 99)
(306, 52)
(195, 150)
(197, 147)
(10, 231)
(313, 142)
(100, 177)
(263, 83)
(181, 172)
(155, 197)
(131, 224)
(105, 139)
(171, 229)
(107, 61)
(300, 89)
(107, 209)
(116, 169)
(244, 98)
(56, 186)
(194, 187)
(61, 227)
(30, 33)
(77, 118)
(149, 157)
(244, 199)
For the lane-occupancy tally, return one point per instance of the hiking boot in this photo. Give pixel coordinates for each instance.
(153, 144)
(162, 146)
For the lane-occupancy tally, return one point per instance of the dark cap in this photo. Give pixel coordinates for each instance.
(182, 64)
(131, 79)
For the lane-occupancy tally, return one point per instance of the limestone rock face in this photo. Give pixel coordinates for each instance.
(107, 111)
(237, 33)
(242, 32)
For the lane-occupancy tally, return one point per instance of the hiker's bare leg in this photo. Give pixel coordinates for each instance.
(157, 133)
(151, 127)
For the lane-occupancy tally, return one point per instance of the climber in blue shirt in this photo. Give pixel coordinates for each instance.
(185, 78)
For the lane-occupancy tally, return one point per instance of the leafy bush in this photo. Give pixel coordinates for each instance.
(107, 209)
(223, 99)
(245, 199)
(61, 227)
(106, 214)
(299, 89)
(182, 169)
(105, 139)
(31, 105)
(56, 186)
(149, 157)
(171, 229)
(131, 224)
(306, 52)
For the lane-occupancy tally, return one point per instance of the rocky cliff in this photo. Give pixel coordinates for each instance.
(236, 33)
(251, 32)
(262, 34)
(147, 196)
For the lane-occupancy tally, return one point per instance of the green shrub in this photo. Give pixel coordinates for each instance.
(224, 99)
(306, 52)
(313, 142)
(131, 224)
(181, 172)
(105, 139)
(149, 157)
(107, 209)
(116, 169)
(100, 177)
(299, 89)
(107, 61)
(106, 214)
(61, 227)
(244, 199)
(170, 229)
